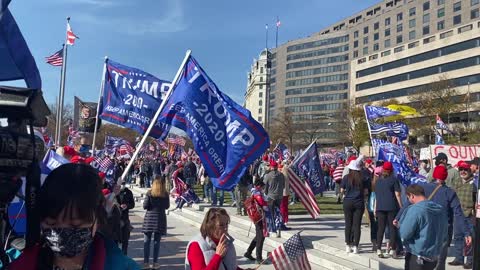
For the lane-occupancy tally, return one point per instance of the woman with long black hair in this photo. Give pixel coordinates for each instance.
(71, 207)
(354, 190)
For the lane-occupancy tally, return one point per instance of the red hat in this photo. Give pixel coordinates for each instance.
(69, 151)
(463, 165)
(89, 160)
(265, 158)
(273, 163)
(350, 159)
(440, 173)
(77, 159)
(387, 166)
(369, 161)
(102, 175)
(106, 191)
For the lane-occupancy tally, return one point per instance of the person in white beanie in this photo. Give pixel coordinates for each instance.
(354, 191)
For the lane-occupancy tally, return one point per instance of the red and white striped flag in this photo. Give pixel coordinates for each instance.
(55, 59)
(177, 140)
(70, 35)
(290, 255)
(304, 193)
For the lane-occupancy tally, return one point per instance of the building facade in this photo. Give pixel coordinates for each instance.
(386, 51)
(255, 96)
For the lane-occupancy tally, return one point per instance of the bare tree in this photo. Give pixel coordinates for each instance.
(352, 126)
(283, 127)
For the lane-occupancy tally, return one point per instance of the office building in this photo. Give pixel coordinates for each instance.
(386, 51)
(255, 96)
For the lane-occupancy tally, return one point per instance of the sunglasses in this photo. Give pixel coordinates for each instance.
(463, 169)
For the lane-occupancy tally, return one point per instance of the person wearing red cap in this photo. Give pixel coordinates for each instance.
(387, 204)
(453, 176)
(274, 185)
(440, 193)
(263, 168)
(467, 194)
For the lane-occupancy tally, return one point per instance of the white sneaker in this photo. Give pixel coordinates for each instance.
(348, 249)
(355, 250)
(292, 203)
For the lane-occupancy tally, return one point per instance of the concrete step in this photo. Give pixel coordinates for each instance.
(320, 256)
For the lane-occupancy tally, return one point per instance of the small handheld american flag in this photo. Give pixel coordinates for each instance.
(290, 255)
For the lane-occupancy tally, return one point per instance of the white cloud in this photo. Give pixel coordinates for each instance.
(172, 20)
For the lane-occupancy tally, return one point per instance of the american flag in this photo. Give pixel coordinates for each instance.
(176, 140)
(125, 149)
(105, 164)
(70, 35)
(278, 22)
(178, 185)
(290, 255)
(304, 193)
(55, 59)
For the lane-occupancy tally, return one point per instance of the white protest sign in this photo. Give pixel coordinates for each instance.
(455, 153)
(425, 153)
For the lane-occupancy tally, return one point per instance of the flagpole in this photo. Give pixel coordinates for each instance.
(102, 84)
(276, 34)
(266, 36)
(62, 87)
(155, 117)
(369, 129)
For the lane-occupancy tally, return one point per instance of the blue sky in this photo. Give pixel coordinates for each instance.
(153, 35)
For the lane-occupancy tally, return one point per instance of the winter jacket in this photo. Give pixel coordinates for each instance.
(452, 178)
(103, 254)
(423, 229)
(274, 185)
(155, 218)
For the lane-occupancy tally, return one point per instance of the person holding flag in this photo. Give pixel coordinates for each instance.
(274, 185)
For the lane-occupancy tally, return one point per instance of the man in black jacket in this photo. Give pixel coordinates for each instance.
(126, 201)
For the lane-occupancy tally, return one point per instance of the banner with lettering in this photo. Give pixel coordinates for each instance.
(308, 167)
(225, 136)
(131, 98)
(455, 153)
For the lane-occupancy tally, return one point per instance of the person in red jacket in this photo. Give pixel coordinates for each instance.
(257, 242)
(213, 248)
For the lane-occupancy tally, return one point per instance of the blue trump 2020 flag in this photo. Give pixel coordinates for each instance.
(308, 167)
(374, 112)
(131, 97)
(224, 134)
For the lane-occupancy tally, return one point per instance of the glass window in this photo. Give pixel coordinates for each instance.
(446, 34)
(387, 43)
(355, 54)
(355, 34)
(441, 25)
(385, 53)
(457, 6)
(465, 28)
(260, 110)
(412, 23)
(376, 25)
(440, 2)
(376, 36)
(399, 28)
(387, 32)
(411, 35)
(412, 11)
(474, 2)
(457, 19)
(365, 30)
(413, 44)
(426, 5)
(426, 30)
(426, 18)
(365, 40)
(399, 39)
(399, 16)
(261, 79)
(260, 102)
(365, 50)
(474, 13)
(440, 12)
(261, 69)
(260, 94)
(387, 21)
(355, 44)
(376, 47)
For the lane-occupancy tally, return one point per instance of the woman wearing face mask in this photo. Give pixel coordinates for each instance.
(70, 207)
(213, 248)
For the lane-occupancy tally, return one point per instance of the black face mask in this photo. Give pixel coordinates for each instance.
(68, 242)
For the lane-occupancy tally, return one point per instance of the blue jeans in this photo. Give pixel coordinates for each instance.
(326, 179)
(214, 196)
(459, 241)
(146, 246)
(207, 191)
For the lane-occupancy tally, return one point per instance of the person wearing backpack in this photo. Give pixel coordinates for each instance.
(255, 209)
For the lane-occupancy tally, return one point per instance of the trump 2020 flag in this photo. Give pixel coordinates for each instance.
(374, 112)
(131, 97)
(308, 167)
(225, 136)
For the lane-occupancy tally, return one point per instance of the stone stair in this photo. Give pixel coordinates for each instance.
(321, 255)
